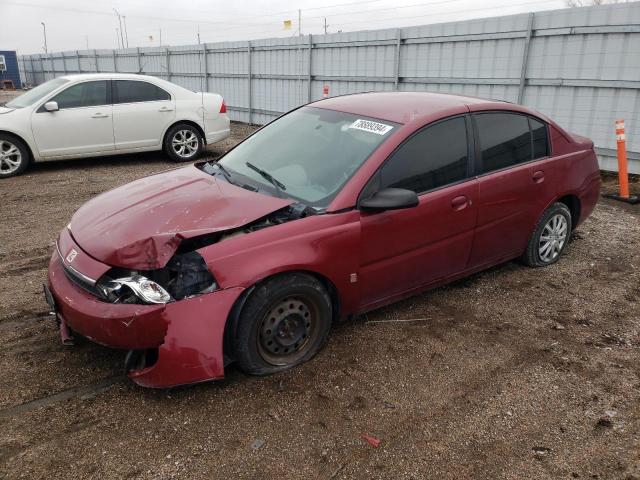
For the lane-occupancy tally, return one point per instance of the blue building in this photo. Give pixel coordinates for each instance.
(10, 71)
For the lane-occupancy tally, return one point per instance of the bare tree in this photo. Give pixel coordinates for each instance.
(588, 3)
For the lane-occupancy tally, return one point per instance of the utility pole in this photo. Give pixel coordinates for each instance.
(44, 28)
(299, 22)
(126, 35)
(46, 49)
(325, 25)
(160, 37)
(117, 37)
(120, 23)
(198, 34)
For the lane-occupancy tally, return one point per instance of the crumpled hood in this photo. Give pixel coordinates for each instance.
(140, 225)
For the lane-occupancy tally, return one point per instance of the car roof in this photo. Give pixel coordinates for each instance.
(107, 76)
(401, 107)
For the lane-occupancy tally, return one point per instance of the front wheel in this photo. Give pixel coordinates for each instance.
(550, 238)
(284, 322)
(183, 143)
(14, 156)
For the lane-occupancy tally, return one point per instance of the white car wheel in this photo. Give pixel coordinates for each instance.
(183, 143)
(14, 157)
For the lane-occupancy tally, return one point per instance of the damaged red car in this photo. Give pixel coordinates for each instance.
(336, 208)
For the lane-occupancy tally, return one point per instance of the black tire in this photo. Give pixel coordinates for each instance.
(284, 322)
(532, 255)
(7, 169)
(178, 133)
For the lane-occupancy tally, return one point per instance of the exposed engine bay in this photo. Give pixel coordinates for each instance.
(186, 274)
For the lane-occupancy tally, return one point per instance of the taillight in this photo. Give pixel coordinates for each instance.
(223, 107)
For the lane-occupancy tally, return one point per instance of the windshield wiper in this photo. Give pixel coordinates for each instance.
(224, 171)
(279, 186)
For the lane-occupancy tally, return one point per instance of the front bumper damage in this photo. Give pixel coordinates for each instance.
(186, 336)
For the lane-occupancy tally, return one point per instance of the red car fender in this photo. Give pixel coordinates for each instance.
(193, 346)
(326, 245)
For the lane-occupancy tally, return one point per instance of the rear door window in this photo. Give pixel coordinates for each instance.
(505, 140)
(434, 157)
(87, 94)
(134, 91)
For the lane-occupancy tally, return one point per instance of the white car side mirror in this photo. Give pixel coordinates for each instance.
(51, 106)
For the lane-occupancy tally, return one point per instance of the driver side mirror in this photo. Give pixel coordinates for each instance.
(51, 106)
(390, 199)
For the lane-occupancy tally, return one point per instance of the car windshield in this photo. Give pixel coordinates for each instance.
(308, 154)
(37, 93)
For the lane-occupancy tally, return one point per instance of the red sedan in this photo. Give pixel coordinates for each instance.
(336, 208)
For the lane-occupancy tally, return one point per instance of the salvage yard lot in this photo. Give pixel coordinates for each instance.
(512, 373)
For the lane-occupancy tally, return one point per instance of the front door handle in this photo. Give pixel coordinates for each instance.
(166, 109)
(460, 202)
(538, 177)
(99, 115)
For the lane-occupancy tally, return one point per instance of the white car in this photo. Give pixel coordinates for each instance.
(107, 114)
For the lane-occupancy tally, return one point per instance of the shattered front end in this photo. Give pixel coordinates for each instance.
(173, 332)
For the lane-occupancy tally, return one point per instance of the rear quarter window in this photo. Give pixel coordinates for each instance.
(540, 138)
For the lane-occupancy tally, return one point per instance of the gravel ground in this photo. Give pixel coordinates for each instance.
(512, 373)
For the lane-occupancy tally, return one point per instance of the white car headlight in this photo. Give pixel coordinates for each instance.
(146, 290)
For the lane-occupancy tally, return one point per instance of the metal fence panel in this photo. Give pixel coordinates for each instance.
(579, 66)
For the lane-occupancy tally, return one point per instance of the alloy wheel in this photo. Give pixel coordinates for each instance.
(185, 143)
(10, 157)
(553, 237)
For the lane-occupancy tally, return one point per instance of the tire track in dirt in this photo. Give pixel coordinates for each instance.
(93, 388)
(19, 267)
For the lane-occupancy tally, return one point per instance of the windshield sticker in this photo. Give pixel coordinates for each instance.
(369, 126)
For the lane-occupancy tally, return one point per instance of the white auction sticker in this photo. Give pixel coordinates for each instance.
(369, 126)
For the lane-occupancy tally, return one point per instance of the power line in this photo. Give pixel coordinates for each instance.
(309, 20)
(306, 18)
(452, 12)
(181, 20)
(385, 19)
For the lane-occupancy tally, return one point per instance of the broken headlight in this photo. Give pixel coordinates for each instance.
(123, 290)
(185, 275)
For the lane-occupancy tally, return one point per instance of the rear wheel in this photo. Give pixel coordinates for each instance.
(283, 323)
(183, 143)
(550, 237)
(14, 156)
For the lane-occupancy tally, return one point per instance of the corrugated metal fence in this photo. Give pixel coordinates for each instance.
(580, 66)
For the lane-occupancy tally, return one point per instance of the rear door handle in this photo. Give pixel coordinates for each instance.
(538, 177)
(99, 115)
(460, 202)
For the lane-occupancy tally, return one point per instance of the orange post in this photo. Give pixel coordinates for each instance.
(623, 174)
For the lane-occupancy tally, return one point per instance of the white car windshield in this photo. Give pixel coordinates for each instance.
(37, 93)
(309, 154)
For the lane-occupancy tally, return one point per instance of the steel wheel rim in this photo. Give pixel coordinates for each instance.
(287, 330)
(10, 157)
(553, 238)
(185, 143)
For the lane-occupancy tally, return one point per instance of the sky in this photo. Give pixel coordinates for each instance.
(81, 24)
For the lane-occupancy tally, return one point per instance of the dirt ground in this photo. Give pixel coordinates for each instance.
(513, 373)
